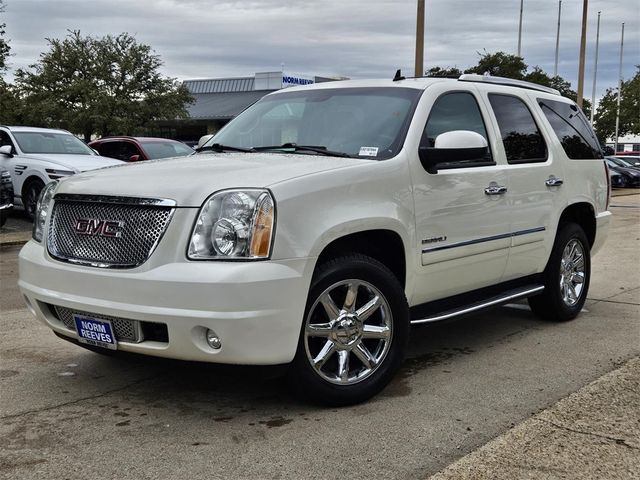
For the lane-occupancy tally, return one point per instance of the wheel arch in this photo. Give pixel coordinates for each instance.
(583, 214)
(384, 245)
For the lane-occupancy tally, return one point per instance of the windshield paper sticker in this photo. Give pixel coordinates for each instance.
(369, 151)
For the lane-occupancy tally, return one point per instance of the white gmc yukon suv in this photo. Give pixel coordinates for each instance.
(321, 223)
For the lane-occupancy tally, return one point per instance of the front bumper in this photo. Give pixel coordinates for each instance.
(256, 308)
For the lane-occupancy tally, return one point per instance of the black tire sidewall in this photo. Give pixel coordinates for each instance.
(552, 295)
(39, 185)
(303, 378)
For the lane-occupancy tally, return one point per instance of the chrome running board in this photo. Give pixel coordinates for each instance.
(474, 307)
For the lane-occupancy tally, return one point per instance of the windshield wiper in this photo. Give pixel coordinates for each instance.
(218, 147)
(322, 150)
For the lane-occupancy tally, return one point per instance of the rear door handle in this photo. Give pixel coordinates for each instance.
(495, 189)
(553, 181)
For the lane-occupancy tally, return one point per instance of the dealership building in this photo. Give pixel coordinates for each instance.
(218, 100)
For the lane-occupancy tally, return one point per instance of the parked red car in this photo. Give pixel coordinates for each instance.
(133, 149)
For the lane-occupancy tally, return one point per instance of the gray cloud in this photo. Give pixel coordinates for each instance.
(356, 38)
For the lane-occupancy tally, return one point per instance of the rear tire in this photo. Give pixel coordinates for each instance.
(566, 277)
(354, 334)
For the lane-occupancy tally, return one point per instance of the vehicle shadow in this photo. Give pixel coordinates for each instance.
(216, 386)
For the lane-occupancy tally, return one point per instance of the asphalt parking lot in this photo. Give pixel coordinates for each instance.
(69, 413)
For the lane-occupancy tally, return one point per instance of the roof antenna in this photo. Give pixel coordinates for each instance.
(398, 76)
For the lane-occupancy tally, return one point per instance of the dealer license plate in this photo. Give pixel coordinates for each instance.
(92, 331)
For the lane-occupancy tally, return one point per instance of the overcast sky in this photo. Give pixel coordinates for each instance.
(353, 38)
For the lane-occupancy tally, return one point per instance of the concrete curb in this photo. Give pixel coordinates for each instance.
(592, 433)
(14, 238)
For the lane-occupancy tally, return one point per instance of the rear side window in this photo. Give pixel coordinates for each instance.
(572, 129)
(456, 111)
(521, 137)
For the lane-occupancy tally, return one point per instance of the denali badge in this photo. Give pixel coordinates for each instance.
(99, 228)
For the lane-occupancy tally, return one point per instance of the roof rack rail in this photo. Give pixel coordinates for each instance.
(510, 82)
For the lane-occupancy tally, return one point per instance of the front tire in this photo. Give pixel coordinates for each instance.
(566, 277)
(355, 332)
(30, 196)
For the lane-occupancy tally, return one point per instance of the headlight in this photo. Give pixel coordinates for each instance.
(234, 225)
(5, 177)
(42, 209)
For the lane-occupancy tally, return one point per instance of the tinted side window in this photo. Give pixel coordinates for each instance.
(572, 129)
(522, 140)
(455, 111)
(107, 149)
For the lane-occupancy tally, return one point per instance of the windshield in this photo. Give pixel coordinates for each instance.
(158, 149)
(359, 122)
(48, 142)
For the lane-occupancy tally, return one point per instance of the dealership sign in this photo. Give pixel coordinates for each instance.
(296, 80)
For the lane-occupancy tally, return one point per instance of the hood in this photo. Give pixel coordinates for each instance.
(80, 163)
(190, 180)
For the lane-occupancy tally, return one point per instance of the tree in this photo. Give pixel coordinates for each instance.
(500, 64)
(9, 101)
(605, 115)
(5, 48)
(109, 85)
(444, 72)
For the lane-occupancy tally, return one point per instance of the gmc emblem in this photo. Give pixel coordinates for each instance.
(99, 228)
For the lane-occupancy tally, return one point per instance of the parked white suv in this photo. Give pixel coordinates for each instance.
(321, 223)
(35, 156)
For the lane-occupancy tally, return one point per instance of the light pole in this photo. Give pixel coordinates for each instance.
(555, 67)
(595, 72)
(520, 28)
(419, 70)
(583, 42)
(615, 148)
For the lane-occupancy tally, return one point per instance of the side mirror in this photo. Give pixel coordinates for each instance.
(6, 150)
(454, 146)
(134, 158)
(204, 139)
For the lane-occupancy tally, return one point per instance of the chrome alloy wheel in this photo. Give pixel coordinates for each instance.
(572, 272)
(347, 344)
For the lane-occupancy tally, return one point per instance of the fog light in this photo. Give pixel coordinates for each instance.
(213, 340)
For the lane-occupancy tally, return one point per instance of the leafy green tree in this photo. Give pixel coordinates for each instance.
(9, 101)
(605, 115)
(443, 72)
(500, 64)
(5, 48)
(109, 85)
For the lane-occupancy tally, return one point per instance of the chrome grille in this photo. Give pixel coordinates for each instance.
(141, 224)
(124, 329)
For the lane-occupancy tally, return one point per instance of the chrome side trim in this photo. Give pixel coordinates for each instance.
(139, 201)
(6, 206)
(479, 306)
(484, 239)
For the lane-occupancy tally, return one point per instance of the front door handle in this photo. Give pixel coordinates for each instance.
(495, 189)
(553, 181)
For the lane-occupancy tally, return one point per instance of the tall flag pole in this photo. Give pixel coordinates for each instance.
(619, 91)
(555, 67)
(520, 28)
(595, 72)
